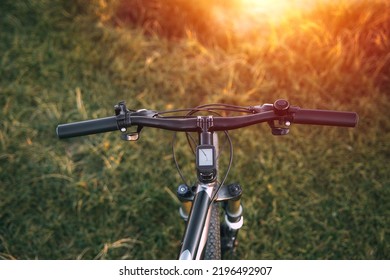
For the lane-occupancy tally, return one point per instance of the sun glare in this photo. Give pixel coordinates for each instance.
(250, 14)
(273, 9)
(276, 10)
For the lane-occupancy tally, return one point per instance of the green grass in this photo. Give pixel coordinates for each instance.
(319, 193)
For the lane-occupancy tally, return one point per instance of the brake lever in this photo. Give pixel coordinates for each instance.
(132, 136)
(281, 108)
(123, 119)
(283, 127)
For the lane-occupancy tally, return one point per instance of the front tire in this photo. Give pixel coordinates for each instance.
(213, 244)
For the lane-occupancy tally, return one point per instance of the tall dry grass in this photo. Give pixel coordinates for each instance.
(319, 193)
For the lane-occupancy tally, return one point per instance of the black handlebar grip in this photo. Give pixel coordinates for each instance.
(87, 127)
(326, 117)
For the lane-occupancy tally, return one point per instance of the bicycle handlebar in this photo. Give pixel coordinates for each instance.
(265, 113)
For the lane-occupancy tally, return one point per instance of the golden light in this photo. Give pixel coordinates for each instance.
(271, 9)
(275, 10)
(249, 15)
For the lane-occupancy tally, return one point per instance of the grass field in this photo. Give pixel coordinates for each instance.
(318, 193)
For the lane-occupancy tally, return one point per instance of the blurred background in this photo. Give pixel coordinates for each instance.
(318, 193)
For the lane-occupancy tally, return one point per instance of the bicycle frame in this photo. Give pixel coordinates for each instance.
(195, 235)
(207, 192)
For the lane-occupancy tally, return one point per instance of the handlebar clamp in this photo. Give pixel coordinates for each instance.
(122, 116)
(281, 108)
